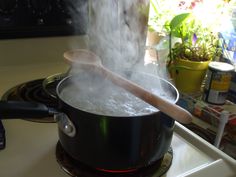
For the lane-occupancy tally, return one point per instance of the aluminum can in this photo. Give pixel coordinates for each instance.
(232, 89)
(217, 83)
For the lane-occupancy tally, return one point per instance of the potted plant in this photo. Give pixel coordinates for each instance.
(194, 47)
(192, 28)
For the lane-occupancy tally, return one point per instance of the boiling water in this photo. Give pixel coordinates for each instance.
(102, 97)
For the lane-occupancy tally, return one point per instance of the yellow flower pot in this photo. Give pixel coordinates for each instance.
(188, 75)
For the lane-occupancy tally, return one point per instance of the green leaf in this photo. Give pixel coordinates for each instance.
(176, 33)
(178, 20)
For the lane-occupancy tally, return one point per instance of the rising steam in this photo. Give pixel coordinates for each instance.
(117, 32)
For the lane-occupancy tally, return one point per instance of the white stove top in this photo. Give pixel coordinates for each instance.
(31, 146)
(30, 150)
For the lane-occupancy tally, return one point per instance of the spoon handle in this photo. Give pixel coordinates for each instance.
(87, 59)
(176, 112)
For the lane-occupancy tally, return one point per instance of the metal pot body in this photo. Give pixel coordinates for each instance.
(116, 143)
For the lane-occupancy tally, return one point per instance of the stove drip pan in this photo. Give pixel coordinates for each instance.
(32, 91)
(77, 169)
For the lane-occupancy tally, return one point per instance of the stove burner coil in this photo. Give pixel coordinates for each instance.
(32, 91)
(51, 82)
(77, 169)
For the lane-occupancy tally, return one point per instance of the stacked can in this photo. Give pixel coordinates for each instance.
(232, 90)
(217, 82)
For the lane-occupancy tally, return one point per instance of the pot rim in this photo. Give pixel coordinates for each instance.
(60, 84)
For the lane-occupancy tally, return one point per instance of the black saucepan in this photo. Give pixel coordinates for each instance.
(104, 141)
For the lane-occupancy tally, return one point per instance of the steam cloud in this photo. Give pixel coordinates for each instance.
(117, 32)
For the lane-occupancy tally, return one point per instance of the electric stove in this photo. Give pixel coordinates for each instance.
(32, 148)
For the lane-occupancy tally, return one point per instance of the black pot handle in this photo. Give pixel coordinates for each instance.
(23, 109)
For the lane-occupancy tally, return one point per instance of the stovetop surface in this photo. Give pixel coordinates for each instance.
(30, 147)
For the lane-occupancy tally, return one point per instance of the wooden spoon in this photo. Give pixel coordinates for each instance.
(88, 59)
